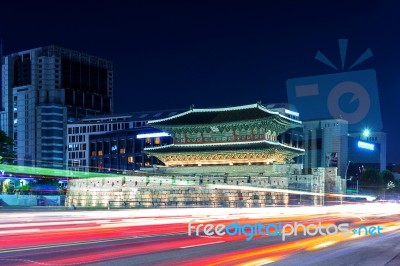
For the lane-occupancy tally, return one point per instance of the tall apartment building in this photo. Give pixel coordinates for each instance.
(42, 90)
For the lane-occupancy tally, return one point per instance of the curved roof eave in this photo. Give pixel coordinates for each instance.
(224, 109)
(224, 144)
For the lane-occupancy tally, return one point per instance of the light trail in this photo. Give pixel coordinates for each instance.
(85, 237)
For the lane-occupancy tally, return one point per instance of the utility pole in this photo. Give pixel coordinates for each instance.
(347, 168)
(357, 186)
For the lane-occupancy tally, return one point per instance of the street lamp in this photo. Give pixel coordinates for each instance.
(349, 179)
(347, 168)
(366, 132)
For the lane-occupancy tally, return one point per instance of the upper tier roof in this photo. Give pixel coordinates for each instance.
(222, 115)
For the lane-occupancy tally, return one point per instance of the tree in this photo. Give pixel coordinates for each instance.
(390, 185)
(8, 186)
(7, 154)
(396, 186)
(387, 176)
(371, 180)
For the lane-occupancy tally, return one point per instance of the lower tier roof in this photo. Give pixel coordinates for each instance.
(224, 153)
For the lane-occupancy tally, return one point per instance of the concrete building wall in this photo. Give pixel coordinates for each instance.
(326, 144)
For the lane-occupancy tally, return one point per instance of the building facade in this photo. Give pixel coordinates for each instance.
(368, 149)
(326, 144)
(110, 143)
(42, 90)
(123, 150)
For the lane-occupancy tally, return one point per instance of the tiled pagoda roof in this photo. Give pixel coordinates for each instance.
(222, 115)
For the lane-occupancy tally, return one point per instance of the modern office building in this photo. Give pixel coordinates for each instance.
(326, 144)
(110, 142)
(42, 90)
(119, 151)
(367, 150)
(329, 144)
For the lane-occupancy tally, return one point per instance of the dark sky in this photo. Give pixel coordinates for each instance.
(173, 54)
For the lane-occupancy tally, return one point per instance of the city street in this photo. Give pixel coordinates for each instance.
(160, 237)
(192, 133)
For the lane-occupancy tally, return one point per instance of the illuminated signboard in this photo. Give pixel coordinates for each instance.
(152, 135)
(365, 145)
(291, 112)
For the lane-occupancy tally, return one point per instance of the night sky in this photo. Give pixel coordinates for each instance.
(172, 54)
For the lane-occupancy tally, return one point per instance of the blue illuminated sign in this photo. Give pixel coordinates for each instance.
(365, 145)
(152, 135)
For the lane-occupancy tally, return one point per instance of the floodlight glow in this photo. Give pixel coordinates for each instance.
(152, 135)
(366, 132)
(291, 112)
(365, 145)
(27, 170)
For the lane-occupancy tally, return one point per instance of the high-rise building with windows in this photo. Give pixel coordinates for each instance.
(42, 90)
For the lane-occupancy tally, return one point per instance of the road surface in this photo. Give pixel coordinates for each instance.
(160, 237)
